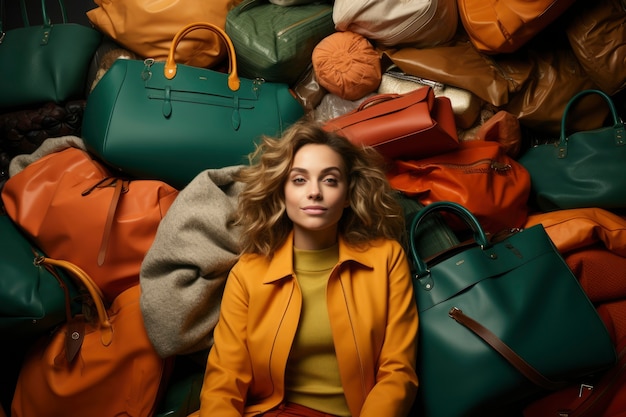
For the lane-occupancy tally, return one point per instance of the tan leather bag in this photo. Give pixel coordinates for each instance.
(503, 26)
(147, 27)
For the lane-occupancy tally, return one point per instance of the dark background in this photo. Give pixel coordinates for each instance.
(75, 9)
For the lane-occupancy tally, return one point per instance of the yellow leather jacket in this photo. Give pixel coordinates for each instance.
(373, 318)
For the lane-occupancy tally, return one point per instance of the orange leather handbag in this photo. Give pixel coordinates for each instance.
(412, 125)
(75, 209)
(101, 367)
(147, 27)
(503, 26)
(478, 175)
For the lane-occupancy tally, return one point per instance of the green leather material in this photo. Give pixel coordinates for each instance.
(45, 63)
(584, 169)
(150, 127)
(31, 299)
(276, 42)
(521, 289)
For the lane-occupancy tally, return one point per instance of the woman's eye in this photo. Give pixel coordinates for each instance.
(331, 180)
(298, 180)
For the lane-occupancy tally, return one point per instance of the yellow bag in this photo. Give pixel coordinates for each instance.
(147, 27)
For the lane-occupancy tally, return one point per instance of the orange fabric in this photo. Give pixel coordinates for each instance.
(478, 175)
(65, 201)
(347, 65)
(147, 27)
(599, 271)
(115, 372)
(576, 228)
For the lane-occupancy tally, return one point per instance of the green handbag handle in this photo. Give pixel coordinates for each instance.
(47, 23)
(618, 125)
(479, 234)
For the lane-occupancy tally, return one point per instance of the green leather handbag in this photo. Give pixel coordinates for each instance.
(168, 121)
(32, 298)
(500, 320)
(583, 168)
(44, 63)
(275, 42)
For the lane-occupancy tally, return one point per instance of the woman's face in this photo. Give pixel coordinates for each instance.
(316, 193)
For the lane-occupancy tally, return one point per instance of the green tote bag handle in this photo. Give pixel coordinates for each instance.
(480, 236)
(478, 329)
(618, 126)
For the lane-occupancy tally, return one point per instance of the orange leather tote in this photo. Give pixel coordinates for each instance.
(478, 175)
(101, 367)
(75, 209)
(412, 125)
(576, 228)
(503, 26)
(147, 27)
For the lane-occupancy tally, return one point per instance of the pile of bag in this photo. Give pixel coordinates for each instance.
(490, 109)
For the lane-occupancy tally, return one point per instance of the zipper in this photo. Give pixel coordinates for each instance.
(474, 167)
(303, 21)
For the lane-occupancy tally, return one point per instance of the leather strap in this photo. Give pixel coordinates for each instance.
(503, 349)
(121, 186)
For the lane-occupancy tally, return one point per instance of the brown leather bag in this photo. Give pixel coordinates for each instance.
(411, 125)
(597, 35)
(148, 27)
(75, 209)
(478, 175)
(105, 366)
(503, 26)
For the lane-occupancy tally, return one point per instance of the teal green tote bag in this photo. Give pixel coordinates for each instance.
(500, 321)
(33, 299)
(168, 121)
(44, 63)
(583, 169)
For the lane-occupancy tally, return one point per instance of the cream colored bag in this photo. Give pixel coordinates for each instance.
(419, 23)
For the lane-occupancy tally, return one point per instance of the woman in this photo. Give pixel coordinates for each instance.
(318, 316)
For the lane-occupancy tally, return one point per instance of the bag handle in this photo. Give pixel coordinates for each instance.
(170, 63)
(106, 328)
(479, 234)
(505, 351)
(457, 314)
(618, 125)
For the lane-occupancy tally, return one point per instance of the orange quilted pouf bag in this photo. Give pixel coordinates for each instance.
(75, 209)
(100, 366)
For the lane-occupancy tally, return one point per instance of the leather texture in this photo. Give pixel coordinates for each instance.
(496, 26)
(411, 125)
(276, 42)
(521, 290)
(105, 366)
(572, 229)
(32, 300)
(45, 63)
(478, 175)
(169, 121)
(421, 23)
(75, 209)
(582, 169)
(147, 27)
(597, 35)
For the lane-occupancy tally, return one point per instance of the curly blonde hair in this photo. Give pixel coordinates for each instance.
(373, 213)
